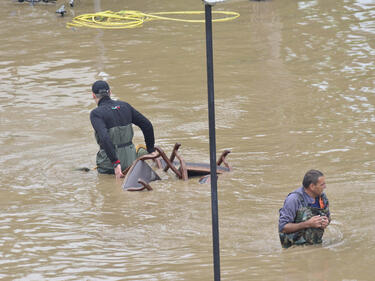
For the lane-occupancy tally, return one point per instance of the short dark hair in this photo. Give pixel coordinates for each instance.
(311, 177)
(100, 88)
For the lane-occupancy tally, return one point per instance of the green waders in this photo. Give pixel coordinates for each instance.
(121, 137)
(307, 236)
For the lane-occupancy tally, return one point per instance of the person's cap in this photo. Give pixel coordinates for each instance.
(99, 85)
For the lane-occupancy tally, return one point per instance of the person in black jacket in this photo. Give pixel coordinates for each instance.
(112, 121)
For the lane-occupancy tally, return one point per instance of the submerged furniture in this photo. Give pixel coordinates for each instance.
(188, 169)
(139, 175)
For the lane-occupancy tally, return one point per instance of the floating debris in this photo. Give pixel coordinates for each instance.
(61, 10)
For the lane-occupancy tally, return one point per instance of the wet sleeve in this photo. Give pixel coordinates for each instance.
(104, 139)
(289, 210)
(147, 129)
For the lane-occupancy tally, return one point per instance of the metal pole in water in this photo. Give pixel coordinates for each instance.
(212, 137)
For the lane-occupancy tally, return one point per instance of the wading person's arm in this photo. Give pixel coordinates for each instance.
(315, 222)
(146, 127)
(288, 214)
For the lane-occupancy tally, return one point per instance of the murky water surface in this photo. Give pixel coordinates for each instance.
(294, 90)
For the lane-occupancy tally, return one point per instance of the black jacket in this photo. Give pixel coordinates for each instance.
(112, 113)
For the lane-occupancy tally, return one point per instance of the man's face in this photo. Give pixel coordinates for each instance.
(319, 187)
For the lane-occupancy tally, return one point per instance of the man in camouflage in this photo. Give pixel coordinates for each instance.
(305, 213)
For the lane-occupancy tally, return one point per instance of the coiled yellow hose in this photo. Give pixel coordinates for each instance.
(132, 19)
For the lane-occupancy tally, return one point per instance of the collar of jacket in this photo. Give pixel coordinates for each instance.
(103, 99)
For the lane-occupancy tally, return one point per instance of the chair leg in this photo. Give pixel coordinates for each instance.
(145, 184)
(173, 154)
(183, 169)
(222, 159)
(165, 158)
(158, 163)
(126, 170)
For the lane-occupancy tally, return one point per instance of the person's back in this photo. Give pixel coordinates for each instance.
(112, 121)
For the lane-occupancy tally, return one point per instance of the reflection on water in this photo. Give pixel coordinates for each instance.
(294, 90)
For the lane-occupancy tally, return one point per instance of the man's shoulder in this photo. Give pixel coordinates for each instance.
(296, 194)
(93, 111)
(292, 203)
(97, 110)
(293, 197)
(122, 104)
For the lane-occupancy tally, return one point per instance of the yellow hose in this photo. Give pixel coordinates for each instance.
(132, 19)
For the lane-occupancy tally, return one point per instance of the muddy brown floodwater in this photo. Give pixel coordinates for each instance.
(294, 90)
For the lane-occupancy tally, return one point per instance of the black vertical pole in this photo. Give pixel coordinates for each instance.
(212, 138)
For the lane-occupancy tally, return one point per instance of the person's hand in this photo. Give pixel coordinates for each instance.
(315, 222)
(318, 222)
(118, 172)
(324, 222)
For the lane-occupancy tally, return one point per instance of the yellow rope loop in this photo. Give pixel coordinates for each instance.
(232, 16)
(132, 19)
(108, 19)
